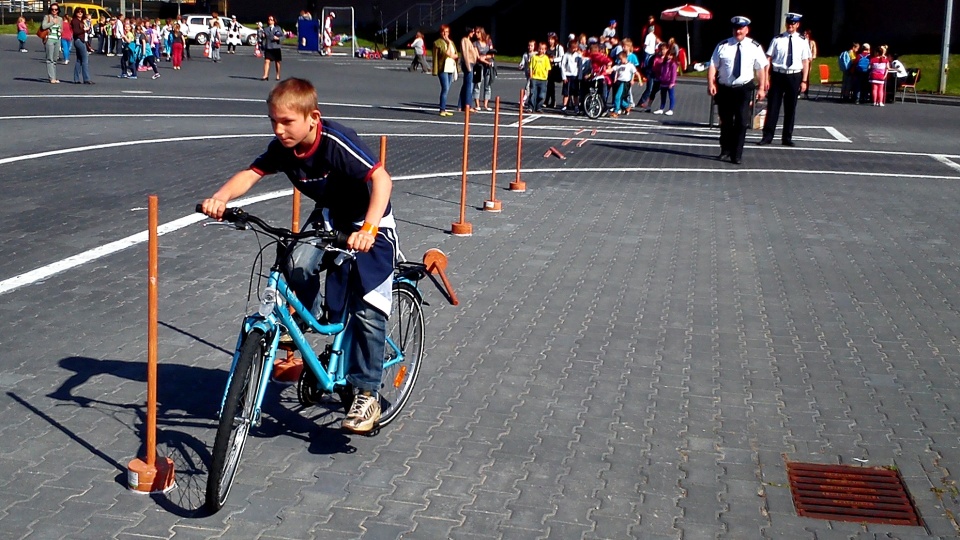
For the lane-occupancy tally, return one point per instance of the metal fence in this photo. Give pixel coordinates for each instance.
(422, 16)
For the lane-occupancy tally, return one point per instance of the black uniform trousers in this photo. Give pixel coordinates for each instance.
(733, 106)
(785, 90)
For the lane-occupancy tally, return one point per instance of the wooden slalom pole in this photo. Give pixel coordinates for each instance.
(518, 184)
(150, 475)
(493, 205)
(462, 227)
(287, 370)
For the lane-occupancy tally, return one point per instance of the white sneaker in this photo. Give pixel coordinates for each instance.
(669, 113)
(658, 111)
(156, 76)
(882, 104)
(364, 414)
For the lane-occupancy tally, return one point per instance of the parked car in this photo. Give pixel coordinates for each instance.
(96, 12)
(199, 25)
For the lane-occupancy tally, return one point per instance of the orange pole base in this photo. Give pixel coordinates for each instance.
(146, 479)
(287, 370)
(462, 229)
(492, 206)
(518, 185)
(436, 262)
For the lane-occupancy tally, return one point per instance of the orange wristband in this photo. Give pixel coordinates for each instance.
(369, 228)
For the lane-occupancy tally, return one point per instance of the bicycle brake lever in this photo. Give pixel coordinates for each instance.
(217, 223)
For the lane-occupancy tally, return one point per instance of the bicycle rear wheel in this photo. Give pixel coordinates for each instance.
(405, 330)
(592, 105)
(236, 418)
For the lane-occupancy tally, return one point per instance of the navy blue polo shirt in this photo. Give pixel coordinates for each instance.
(335, 172)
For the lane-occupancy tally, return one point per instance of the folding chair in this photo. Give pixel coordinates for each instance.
(913, 77)
(825, 81)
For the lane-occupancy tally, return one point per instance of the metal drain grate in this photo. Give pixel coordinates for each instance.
(845, 493)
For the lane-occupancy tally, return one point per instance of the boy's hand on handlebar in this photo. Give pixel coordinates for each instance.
(360, 241)
(214, 208)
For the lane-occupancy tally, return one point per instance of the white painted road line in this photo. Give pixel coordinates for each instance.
(63, 265)
(42, 273)
(947, 161)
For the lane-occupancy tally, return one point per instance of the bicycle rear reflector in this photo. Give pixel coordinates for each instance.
(401, 375)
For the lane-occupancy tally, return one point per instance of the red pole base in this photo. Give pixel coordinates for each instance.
(146, 479)
(492, 206)
(462, 229)
(287, 370)
(518, 185)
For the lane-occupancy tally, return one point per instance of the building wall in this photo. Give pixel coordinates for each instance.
(914, 27)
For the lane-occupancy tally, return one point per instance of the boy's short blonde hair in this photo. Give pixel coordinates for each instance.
(294, 94)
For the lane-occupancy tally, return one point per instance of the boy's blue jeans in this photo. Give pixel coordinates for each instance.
(366, 326)
(538, 93)
(621, 96)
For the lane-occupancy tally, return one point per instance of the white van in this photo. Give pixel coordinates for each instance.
(199, 30)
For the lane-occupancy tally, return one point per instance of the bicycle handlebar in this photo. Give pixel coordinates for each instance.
(241, 219)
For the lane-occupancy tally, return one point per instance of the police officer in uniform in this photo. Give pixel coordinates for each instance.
(790, 56)
(730, 79)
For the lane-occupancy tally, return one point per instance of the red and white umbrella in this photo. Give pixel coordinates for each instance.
(686, 13)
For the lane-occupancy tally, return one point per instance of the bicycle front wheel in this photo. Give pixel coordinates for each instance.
(405, 337)
(236, 419)
(593, 106)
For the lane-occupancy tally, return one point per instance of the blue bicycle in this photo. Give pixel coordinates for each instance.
(324, 372)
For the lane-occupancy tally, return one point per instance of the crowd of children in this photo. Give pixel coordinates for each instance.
(865, 73)
(141, 43)
(607, 61)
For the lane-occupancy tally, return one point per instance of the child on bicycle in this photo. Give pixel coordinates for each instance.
(329, 163)
(601, 67)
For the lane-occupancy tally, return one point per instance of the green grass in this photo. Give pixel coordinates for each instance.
(361, 42)
(12, 28)
(929, 65)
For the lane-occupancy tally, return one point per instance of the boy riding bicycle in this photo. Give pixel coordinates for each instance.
(329, 163)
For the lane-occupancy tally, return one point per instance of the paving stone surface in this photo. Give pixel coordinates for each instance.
(644, 337)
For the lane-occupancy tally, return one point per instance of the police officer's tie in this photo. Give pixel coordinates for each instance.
(789, 51)
(736, 65)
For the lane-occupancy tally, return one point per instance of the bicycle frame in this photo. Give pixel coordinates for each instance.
(280, 317)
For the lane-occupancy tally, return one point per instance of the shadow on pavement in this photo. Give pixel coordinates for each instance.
(196, 338)
(189, 398)
(634, 148)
